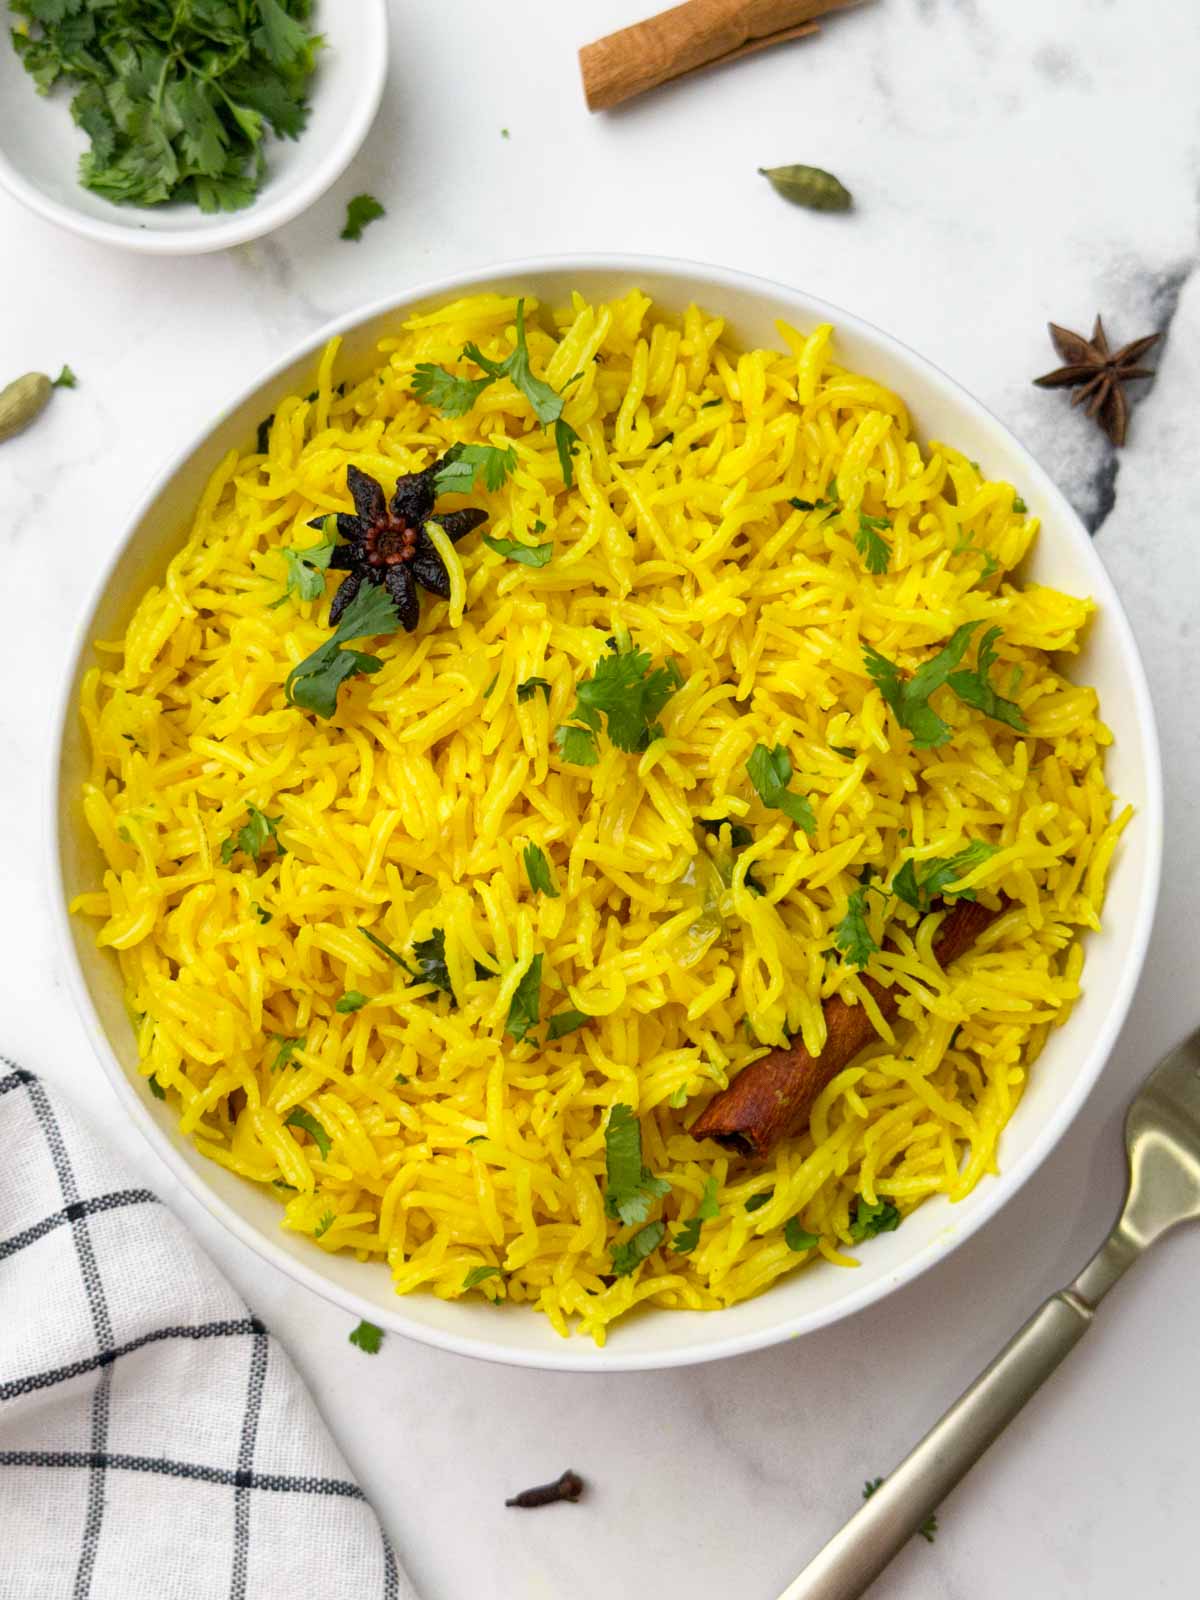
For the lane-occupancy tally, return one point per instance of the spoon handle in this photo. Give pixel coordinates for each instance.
(856, 1555)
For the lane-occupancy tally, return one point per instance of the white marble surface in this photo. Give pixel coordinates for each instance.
(1013, 160)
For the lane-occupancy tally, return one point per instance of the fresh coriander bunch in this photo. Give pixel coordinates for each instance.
(176, 98)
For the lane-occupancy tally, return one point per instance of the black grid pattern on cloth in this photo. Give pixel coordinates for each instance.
(98, 1461)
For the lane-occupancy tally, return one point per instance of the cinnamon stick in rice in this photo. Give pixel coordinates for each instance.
(772, 1098)
(699, 33)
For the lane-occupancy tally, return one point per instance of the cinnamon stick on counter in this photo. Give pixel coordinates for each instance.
(699, 33)
(773, 1097)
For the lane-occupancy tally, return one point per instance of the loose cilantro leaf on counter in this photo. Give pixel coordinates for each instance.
(537, 869)
(297, 1117)
(688, 1237)
(528, 555)
(367, 1337)
(627, 1257)
(868, 1220)
(629, 695)
(463, 464)
(631, 1188)
(528, 687)
(361, 210)
(352, 1000)
(314, 683)
(523, 1011)
(937, 874)
(287, 1049)
(252, 839)
(870, 543)
(479, 1275)
(306, 570)
(770, 773)
(176, 102)
(797, 1237)
(564, 1022)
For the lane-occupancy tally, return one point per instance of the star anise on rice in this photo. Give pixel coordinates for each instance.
(388, 544)
(1098, 374)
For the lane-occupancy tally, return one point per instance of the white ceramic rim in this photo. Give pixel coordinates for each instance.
(262, 216)
(577, 1355)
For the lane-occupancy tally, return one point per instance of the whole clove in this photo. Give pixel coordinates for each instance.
(568, 1487)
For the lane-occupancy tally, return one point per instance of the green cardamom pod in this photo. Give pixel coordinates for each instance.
(809, 186)
(22, 401)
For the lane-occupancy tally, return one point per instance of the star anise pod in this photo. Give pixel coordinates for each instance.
(1098, 374)
(388, 544)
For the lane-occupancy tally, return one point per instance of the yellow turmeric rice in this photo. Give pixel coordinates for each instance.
(751, 521)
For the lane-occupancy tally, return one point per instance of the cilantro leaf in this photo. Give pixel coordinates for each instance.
(528, 687)
(757, 1201)
(909, 697)
(263, 915)
(975, 690)
(360, 211)
(352, 1000)
(537, 869)
(566, 442)
(479, 1275)
(547, 405)
(313, 684)
(770, 773)
(327, 1221)
(870, 544)
(1019, 506)
(868, 1220)
(252, 839)
(529, 555)
(852, 936)
(797, 1237)
(564, 1022)
(688, 1237)
(306, 570)
(628, 694)
(367, 1337)
(442, 391)
(287, 1049)
(630, 1188)
(156, 1088)
(627, 1257)
(430, 957)
(523, 1010)
(297, 1117)
(739, 835)
(386, 949)
(938, 875)
(463, 464)
(280, 37)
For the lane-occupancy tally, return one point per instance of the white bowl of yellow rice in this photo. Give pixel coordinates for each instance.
(394, 1144)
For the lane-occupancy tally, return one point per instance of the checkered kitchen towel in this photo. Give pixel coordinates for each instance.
(155, 1441)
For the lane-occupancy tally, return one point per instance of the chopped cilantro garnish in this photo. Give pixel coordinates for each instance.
(527, 555)
(797, 1237)
(327, 1221)
(528, 687)
(367, 1337)
(844, 751)
(739, 835)
(802, 505)
(263, 915)
(491, 685)
(523, 1011)
(479, 1275)
(352, 1000)
(868, 1220)
(430, 957)
(870, 543)
(631, 1188)
(757, 1201)
(537, 869)
(313, 684)
(463, 464)
(852, 936)
(386, 949)
(770, 773)
(909, 697)
(564, 1022)
(297, 1117)
(627, 1257)
(156, 1088)
(454, 397)
(361, 210)
(287, 1049)
(688, 1237)
(629, 695)
(252, 839)
(975, 689)
(937, 874)
(1019, 506)
(306, 570)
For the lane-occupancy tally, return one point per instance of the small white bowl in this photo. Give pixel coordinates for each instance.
(40, 147)
(1068, 1066)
